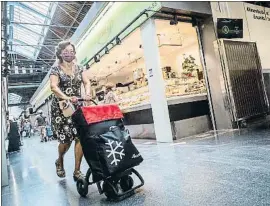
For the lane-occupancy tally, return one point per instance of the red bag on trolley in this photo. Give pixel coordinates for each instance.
(106, 144)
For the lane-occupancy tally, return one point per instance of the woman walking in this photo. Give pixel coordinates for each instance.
(66, 79)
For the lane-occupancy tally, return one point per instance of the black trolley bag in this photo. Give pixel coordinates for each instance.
(108, 150)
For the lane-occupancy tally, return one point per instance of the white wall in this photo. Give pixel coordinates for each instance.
(257, 30)
(195, 6)
(4, 171)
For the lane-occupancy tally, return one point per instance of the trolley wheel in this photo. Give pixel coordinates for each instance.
(126, 183)
(108, 189)
(82, 187)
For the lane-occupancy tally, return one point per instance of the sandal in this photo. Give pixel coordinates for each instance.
(78, 175)
(59, 170)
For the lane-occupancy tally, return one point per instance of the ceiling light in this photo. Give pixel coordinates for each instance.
(97, 59)
(106, 50)
(118, 40)
(174, 21)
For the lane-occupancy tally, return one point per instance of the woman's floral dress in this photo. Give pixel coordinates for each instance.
(62, 126)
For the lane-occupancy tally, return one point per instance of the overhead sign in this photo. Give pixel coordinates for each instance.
(258, 21)
(259, 13)
(229, 28)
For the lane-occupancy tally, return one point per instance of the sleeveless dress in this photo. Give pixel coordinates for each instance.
(62, 126)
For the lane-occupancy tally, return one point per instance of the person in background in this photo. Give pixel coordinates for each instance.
(66, 78)
(110, 97)
(41, 124)
(49, 132)
(13, 135)
(27, 128)
(20, 125)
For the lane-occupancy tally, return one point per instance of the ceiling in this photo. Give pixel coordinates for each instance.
(34, 30)
(128, 56)
(37, 27)
(24, 36)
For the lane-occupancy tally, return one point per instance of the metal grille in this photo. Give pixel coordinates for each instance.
(245, 80)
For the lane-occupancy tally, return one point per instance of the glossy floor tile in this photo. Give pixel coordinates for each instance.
(231, 168)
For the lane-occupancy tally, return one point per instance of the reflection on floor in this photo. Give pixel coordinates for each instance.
(229, 169)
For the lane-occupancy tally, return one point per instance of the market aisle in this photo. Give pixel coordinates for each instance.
(231, 170)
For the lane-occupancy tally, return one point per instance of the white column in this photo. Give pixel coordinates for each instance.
(158, 99)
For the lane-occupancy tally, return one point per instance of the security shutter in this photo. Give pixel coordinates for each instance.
(244, 80)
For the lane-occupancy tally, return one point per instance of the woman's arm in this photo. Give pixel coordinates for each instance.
(54, 80)
(86, 83)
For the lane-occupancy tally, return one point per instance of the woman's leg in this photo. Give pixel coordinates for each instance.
(62, 149)
(78, 155)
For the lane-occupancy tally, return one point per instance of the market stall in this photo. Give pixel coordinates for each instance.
(124, 66)
(150, 52)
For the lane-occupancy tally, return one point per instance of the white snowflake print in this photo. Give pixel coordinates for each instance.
(117, 150)
(69, 121)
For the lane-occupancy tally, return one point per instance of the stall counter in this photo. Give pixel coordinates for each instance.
(189, 115)
(170, 101)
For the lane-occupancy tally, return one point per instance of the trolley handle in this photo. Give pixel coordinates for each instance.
(91, 100)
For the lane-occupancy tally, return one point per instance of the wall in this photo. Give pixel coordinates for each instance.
(4, 180)
(89, 18)
(254, 29)
(116, 19)
(4, 172)
(197, 7)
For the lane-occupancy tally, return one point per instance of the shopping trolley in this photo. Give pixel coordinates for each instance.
(108, 150)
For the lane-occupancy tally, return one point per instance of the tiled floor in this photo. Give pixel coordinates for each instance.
(232, 168)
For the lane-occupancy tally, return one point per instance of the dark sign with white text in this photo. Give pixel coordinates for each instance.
(229, 28)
